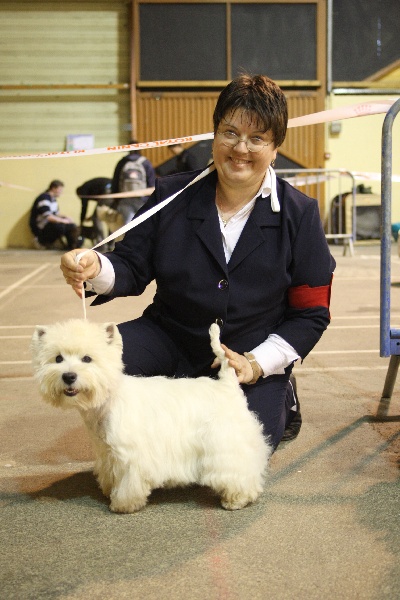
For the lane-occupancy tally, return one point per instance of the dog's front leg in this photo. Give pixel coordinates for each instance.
(129, 492)
(104, 468)
(105, 477)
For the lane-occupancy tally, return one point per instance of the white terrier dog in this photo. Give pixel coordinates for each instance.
(152, 432)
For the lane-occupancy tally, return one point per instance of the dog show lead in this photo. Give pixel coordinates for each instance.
(241, 248)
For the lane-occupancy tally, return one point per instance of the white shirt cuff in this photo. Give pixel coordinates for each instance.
(105, 280)
(274, 355)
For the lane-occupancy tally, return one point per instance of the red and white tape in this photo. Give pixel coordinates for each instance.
(112, 149)
(363, 109)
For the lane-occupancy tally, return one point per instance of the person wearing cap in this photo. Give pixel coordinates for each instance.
(240, 247)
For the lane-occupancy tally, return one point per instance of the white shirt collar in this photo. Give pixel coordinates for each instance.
(268, 187)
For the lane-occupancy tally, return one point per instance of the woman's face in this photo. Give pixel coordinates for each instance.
(237, 165)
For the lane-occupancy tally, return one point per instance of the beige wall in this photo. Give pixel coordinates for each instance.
(74, 43)
(358, 146)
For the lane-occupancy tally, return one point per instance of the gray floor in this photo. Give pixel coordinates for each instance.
(327, 525)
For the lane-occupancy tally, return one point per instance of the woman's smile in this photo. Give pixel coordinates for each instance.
(236, 165)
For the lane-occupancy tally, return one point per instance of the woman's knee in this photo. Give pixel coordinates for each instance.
(147, 349)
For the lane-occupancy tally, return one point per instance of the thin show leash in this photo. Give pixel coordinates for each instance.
(138, 221)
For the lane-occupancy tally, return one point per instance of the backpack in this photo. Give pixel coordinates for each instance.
(133, 175)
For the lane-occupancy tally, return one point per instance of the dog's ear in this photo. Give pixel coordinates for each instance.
(112, 333)
(36, 341)
(39, 332)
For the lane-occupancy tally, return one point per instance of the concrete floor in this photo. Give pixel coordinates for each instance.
(327, 525)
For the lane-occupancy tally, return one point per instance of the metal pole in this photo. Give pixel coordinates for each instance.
(329, 48)
(386, 188)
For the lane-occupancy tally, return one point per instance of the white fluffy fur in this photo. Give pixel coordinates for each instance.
(152, 432)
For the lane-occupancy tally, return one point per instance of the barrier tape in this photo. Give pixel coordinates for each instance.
(133, 194)
(363, 109)
(300, 180)
(17, 187)
(372, 176)
(112, 149)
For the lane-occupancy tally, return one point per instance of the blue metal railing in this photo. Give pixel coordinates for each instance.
(389, 338)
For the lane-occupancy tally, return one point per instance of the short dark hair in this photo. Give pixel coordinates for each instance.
(258, 95)
(55, 184)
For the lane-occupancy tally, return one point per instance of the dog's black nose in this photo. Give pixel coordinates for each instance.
(69, 378)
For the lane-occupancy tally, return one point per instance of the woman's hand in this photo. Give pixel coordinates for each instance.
(243, 369)
(75, 273)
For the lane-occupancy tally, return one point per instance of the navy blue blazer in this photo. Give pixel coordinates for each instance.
(277, 280)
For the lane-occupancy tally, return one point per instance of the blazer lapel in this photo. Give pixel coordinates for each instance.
(254, 232)
(204, 216)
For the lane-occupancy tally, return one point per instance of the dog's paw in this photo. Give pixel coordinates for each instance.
(237, 501)
(127, 506)
(233, 505)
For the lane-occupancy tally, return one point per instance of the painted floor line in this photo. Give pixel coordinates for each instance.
(51, 286)
(21, 378)
(353, 327)
(20, 282)
(17, 326)
(342, 369)
(314, 352)
(15, 337)
(10, 469)
(15, 362)
(366, 278)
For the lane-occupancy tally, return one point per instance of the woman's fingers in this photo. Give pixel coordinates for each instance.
(76, 273)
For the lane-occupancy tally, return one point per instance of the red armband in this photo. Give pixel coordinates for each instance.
(304, 296)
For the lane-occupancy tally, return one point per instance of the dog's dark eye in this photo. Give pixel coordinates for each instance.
(86, 359)
(59, 358)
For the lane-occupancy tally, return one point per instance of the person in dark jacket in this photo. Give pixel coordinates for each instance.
(47, 223)
(132, 173)
(239, 247)
(91, 189)
(184, 159)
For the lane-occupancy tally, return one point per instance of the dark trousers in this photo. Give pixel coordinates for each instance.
(149, 351)
(53, 231)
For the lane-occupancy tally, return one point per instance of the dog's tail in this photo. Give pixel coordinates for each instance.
(217, 349)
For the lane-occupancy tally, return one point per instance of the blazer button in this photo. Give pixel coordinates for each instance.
(219, 322)
(223, 284)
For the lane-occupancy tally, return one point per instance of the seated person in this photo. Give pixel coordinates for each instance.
(46, 222)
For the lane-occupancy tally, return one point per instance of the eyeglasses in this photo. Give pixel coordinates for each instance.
(231, 139)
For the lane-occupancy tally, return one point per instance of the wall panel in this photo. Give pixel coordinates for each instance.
(59, 44)
(163, 115)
